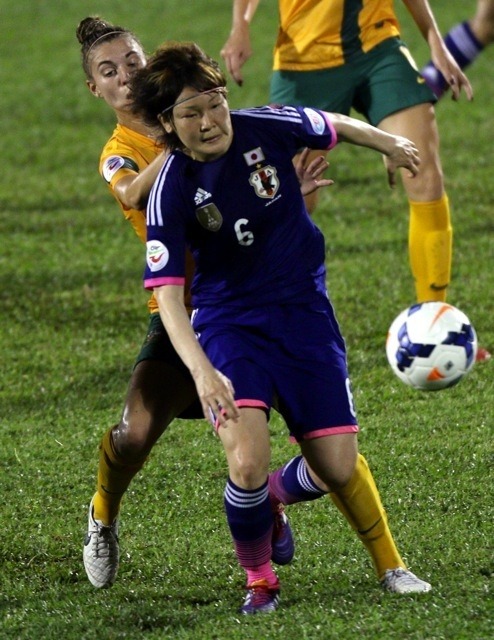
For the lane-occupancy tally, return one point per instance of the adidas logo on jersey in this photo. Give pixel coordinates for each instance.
(201, 195)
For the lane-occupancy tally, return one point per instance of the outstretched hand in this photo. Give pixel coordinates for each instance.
(405, 155)
(309, 174)
(453, 75)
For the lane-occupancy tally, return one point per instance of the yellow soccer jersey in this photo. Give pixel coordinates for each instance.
(128, 152)
(320, 34)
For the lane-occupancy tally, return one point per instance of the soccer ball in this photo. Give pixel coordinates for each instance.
(431, 346)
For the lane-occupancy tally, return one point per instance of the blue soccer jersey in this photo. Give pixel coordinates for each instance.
(242, 215)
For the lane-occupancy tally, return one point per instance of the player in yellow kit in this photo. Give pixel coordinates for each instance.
(160, 388)
(341, 54)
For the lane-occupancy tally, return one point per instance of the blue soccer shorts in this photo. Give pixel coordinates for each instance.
(291, 357)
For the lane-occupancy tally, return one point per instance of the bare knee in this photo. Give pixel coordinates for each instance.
(134, 439)
(331, 460)
(247, 449)
(428, 184)
(247, 470)
(248, 466)
(337, 477)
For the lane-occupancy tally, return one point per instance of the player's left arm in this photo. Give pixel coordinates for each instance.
(423, 17)
(398, 152)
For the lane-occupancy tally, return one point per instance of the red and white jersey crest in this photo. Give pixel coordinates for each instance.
(265, 182)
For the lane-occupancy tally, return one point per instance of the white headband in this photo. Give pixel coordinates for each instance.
(221, 90)
(105, 35)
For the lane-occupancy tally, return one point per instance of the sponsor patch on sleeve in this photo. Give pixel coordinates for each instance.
(316, 120)
(113, 163)
(157, 255)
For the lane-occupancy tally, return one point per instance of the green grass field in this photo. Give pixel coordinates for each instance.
(72, 319)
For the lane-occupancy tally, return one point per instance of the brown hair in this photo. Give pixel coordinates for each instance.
(172, 67)
(94, 30)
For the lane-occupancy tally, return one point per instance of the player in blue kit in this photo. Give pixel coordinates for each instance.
(263, 333)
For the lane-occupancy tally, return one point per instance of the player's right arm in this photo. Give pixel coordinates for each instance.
(237, 49)
(132, 189)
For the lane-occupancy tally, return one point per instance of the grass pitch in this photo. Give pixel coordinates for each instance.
(72, 319)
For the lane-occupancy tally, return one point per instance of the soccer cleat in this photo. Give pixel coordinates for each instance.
(403, 581)
(283, 547)
(482, 355)
(101, 552)
(261, 598)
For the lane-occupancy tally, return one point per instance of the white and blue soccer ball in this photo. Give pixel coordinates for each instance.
(431, 346)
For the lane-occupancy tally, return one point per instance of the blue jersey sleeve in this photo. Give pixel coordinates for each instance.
(165, 246)
(317, 130)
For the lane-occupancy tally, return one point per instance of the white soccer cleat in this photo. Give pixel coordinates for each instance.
(101, 552)
(403, 581)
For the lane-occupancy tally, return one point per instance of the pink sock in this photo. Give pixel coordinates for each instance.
(263, 572)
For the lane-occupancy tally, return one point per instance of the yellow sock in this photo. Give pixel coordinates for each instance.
(114, 476)
(361, 505)
(430, 247)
